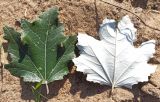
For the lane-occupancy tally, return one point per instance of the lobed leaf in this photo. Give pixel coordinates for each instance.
(41, 51)
(113, 60)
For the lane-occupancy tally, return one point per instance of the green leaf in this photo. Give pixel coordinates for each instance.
(41, 51)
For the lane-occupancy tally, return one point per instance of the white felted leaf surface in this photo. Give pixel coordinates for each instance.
(113, 60)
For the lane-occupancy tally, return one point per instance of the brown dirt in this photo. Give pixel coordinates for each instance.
(81, 16)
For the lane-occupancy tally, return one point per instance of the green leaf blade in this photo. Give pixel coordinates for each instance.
(39, 53)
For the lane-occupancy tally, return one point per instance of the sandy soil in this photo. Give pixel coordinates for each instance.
(84, 16)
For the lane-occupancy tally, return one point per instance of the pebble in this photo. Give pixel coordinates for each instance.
(138, 10)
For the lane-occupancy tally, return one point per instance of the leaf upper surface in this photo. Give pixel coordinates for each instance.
(41, 51)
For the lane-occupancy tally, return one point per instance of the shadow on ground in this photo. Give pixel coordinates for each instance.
(139, 3)
(140, 96)
(86, 89)
(79, 83)
(27, 91)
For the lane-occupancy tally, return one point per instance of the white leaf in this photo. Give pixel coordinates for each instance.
(113, 60)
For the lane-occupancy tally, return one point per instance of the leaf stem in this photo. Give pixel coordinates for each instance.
(47, 88)
(36, 90)
(111, 91)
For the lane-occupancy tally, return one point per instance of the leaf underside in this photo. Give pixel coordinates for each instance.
(113, 60)
(41, 51)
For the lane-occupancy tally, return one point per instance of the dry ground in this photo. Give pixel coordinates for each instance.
(84, 16)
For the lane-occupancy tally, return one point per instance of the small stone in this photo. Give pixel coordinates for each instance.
(138, 10)
(31, 3)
